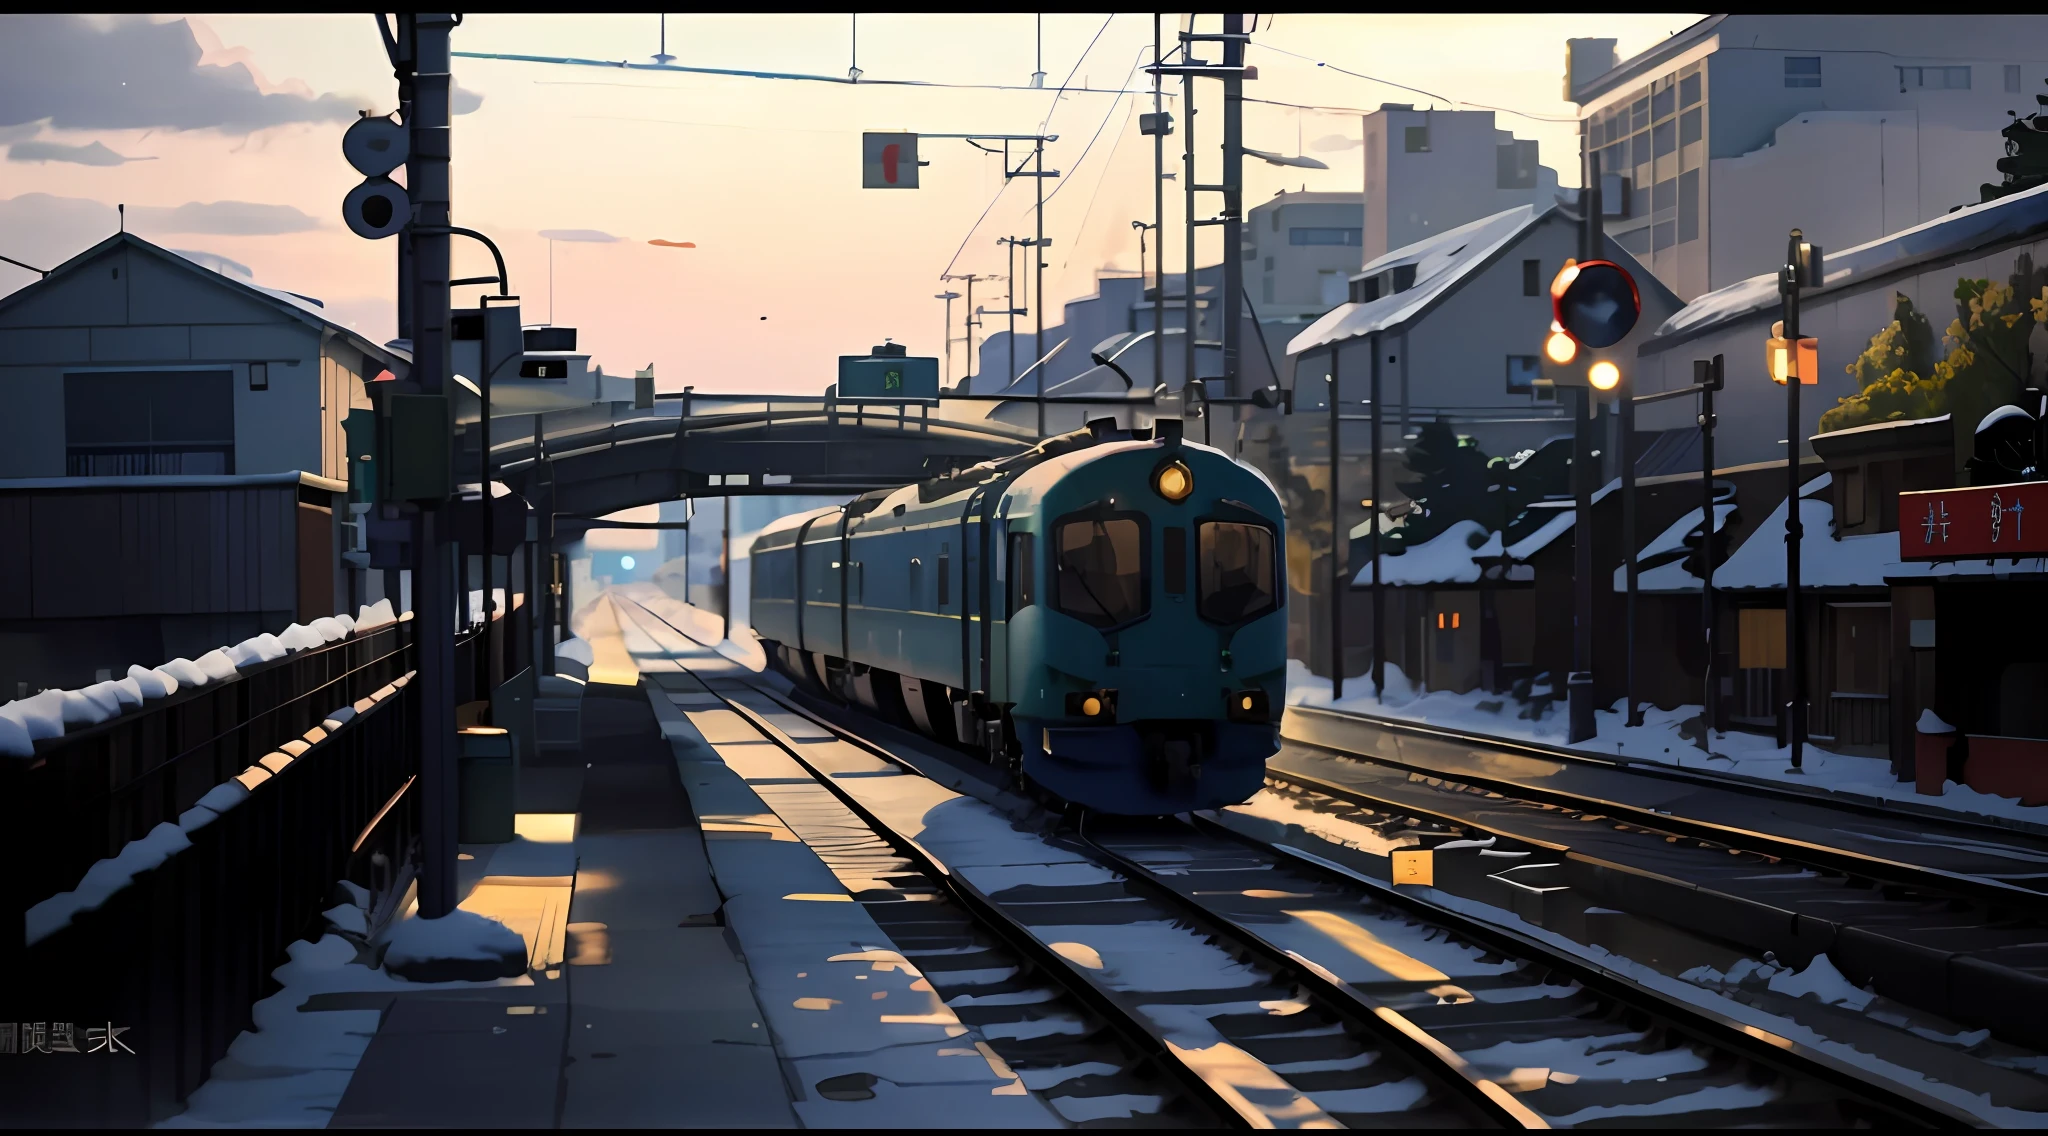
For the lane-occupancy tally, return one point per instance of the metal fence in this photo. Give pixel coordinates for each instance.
(178, 957)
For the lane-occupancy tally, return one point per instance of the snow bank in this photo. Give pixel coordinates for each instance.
(1661, 738)
(1823, 981)
(103, 879)
(299, 637)
(458, 935)
(216, 665)
(1445, 559)
(151, 684)
(374, 616)
(186, 672)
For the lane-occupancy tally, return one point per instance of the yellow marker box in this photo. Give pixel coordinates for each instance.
(1414, 866)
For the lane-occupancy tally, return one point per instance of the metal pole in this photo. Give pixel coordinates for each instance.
(946, 334)
(489, 549)
(1795, 711)
(967, 321)
(1707, 705)
(1634, 717)
(1579, 686)
(725, 572)
(407, 51)
(1158, 218)
(1379, 597)
(1012, 278)
(1336, 541)
(433, 605)
(1187, 177)
(1038, 275)
(1232, 310)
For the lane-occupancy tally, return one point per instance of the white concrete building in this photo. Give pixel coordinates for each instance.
(1849, 127)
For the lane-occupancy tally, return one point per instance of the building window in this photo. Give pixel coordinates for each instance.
(1335, 288)
(1934, 78)
(1523, 371)
(1667, 235)
(1689, 128)
(1688, 90)
(1532, 278)
(1417, 138)
(1802, 70)
(2012, 78)
(1640, 149)
(1636, 241)
(1349, 238)
(259, 378)
(127, 423)
(1276, 220)
(1639, 113)
(1760, 638)
(1666, 136)
(1662, 104)
(1516, 165)
(1688, 206)
(1666, 195)
(1269, 264)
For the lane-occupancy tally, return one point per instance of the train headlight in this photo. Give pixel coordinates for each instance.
(1248, 706)
(1174, 481)
(1094, 705)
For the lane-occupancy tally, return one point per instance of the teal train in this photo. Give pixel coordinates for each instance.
(1102, 615)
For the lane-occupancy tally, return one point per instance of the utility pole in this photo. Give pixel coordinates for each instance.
(1579, 686)
(1187, 181)
(1038, 260)
(1232, 311)
(407, 51)
(1336, 534)
(1379, 603)
(1010, 265)
(1709, 379)
(725, 571)
(946, 331)
(1627, 428)
(1158, 214)
(427, 182)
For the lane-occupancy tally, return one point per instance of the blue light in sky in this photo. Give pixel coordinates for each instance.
(626, 562)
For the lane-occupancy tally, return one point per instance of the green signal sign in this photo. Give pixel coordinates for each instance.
(892, 380)
(888, 378)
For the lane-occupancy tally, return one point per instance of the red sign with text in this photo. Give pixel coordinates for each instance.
(1980, 523)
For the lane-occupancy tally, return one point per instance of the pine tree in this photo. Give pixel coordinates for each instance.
(1449, 484)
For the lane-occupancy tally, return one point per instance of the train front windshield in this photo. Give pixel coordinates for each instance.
(1101, 567)
(1234, 570)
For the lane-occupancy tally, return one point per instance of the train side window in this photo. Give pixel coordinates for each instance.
(1023, 571)
(945, 577)
(1235, 569)
(1176, 561)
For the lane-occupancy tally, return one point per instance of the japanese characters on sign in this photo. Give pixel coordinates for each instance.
(61, 1037)
(1983, 522)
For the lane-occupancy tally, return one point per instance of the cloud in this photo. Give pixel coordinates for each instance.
(592, 236)
(19, 132)
(462, 100)
(132, 73)
(225, 218)
(90, 154)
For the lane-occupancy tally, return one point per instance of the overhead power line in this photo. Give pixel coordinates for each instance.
(842, 80)
(1416, 90)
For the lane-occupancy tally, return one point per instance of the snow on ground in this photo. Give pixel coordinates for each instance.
(458, 935)
(48, 713)
(1659, 738)
(291, 1070)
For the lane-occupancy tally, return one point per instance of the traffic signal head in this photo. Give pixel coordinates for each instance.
(1596, 303)
(1603, 375)
(1558, 347)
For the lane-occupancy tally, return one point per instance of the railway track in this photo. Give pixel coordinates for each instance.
(1279, 992)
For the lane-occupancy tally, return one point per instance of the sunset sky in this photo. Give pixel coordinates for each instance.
(222, 135)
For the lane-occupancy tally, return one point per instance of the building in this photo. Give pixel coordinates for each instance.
(174, 465)
(2004, 242)
(1458, 319)
(1426, 172)
(1743, 127)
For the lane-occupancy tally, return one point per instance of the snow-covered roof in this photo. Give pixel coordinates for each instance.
(1864, 561)
(1537, 541)
(1949, 237)
(1671, 576)
(1445, 559)
(1441, 262)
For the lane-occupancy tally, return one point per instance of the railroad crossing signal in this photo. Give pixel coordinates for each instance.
(1594, 305)
(377, 208)
(888, 161)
